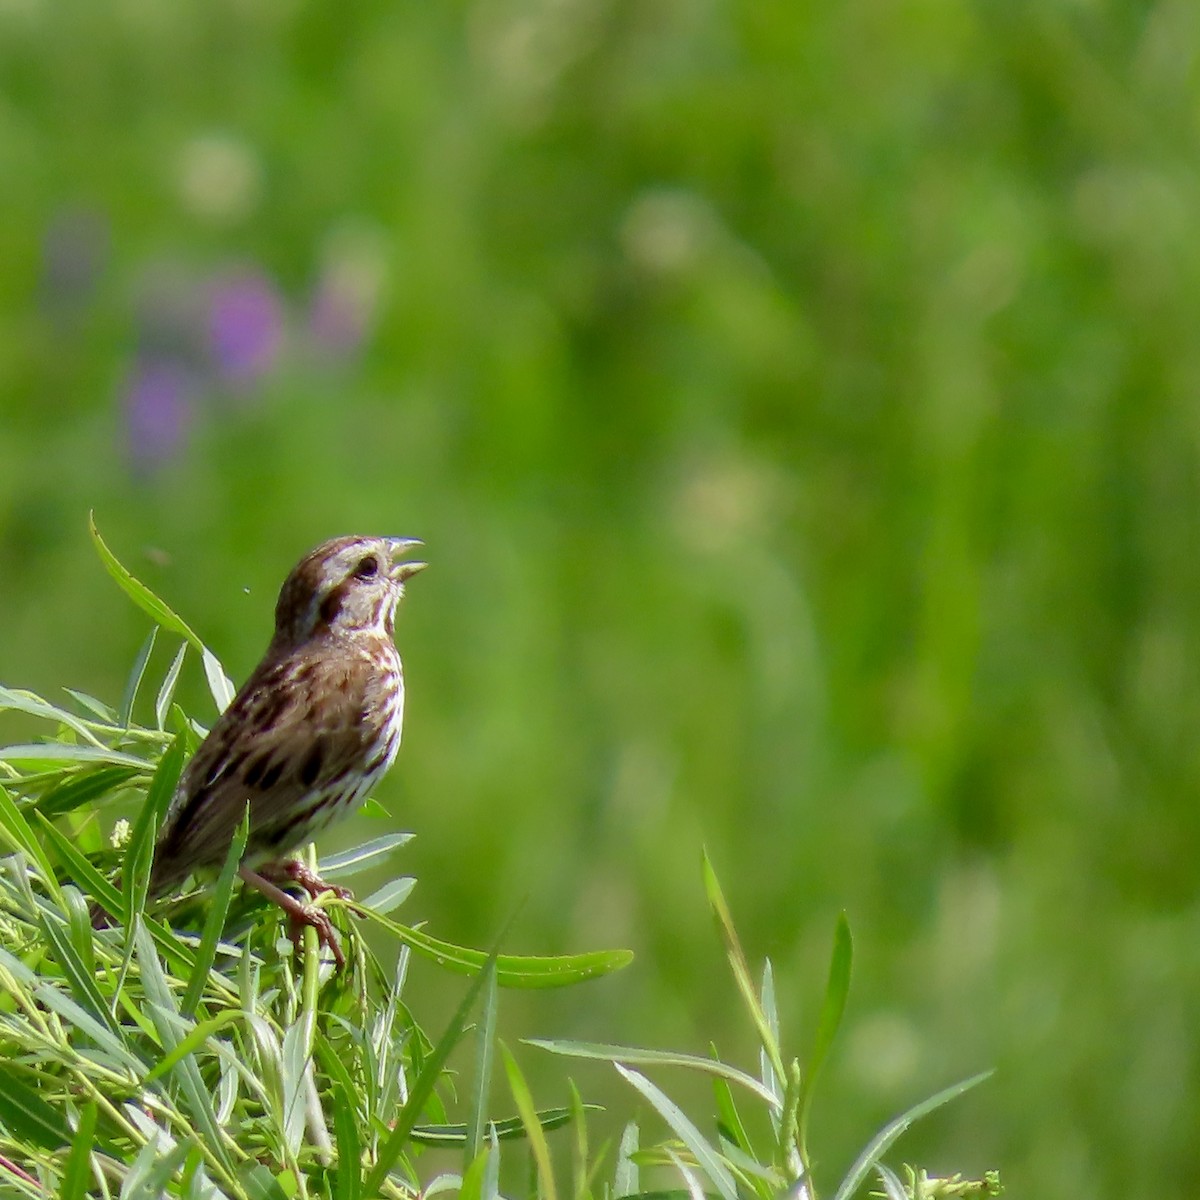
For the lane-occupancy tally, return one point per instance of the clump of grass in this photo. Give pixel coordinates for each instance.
(141, 1061)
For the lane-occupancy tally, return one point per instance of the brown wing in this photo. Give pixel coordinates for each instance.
(294, 731)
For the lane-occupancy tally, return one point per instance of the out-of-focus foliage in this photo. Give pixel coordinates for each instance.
(799, 404)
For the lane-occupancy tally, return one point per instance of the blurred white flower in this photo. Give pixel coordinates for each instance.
(219, 178)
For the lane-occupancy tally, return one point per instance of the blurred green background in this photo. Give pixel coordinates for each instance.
(801, 407)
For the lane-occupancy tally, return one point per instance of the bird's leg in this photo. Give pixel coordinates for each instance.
(292, 870)
(300, 914)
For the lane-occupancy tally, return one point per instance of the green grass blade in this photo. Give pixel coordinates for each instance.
(512, 971)
(694, 1189)
(214, 921)
(139, 854)
(26, 1115)
(16, 832)
(627, 1176)
(740, 967)
(79, 868)
(197, 1037)
(220, 686)
(161, 1006)
(139, 593)
(731, 1127)
(533, 1128)
(162, 702)
(389, 897)
(506, 1129)
(35, 706)
(90, 704)
(134, 684)
(422, 1089)
(893, 1189)
(485, 1040)
(348, 1180)
(833, 1007)
(878, 1146)
(84, 786)
(82, 981)
(77, 1173)
(708, 1158)
(666, 1058)
(361, 858)
(50, 754)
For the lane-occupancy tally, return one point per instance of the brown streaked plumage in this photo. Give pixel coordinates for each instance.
(313, 729)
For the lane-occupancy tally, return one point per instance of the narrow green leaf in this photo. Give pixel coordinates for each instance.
(626, 1178)
(481, 1086)
(78, 867)
(35, 706)
(833, 1007)
(422, 1089)
(878, 1146)
(389, 897)
(17, 833)
(78, 1174)
(739, 965)
(28, 1116)
(194, 1040)
(49, 996)
(471, 1186)
(163, 1164)
(51, 753)
(82, 982)
(580, 1159)
(90, 704)
(219, 684)
(893, 1189)
(139, 854)
(139, 593)
(295, 1063)
(533, 1128)
(162, 702)
(507, 1129)
(729, 1120)
(348, 1182)
(134, 684)
(705, 1155)
(360, 858)
(512, 971)
(261, 1184)
(161, 1006)
(665, 1058)
(84, 786)
(214, 921)
(694, 1188)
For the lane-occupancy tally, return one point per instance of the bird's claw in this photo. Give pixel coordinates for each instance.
(304, 916)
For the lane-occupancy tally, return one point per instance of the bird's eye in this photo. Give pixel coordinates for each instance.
(368, 567)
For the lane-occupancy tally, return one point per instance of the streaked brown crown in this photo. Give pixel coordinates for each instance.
(346, 585)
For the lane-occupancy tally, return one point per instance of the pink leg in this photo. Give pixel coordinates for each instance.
(300, 914)
(294, 871)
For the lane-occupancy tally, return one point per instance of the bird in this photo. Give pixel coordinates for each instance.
(310, 733)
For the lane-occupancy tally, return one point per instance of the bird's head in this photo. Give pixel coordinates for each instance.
(345, 585)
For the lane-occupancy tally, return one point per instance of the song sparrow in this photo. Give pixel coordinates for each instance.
(312, 731)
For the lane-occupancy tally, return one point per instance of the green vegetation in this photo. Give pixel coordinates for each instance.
(798, 403)
(141, 1061)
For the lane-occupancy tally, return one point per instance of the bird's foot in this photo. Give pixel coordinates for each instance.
(292, 870)
(299, 915)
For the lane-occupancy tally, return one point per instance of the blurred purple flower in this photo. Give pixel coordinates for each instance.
(158, 411)
(74, 252)
(245, 327)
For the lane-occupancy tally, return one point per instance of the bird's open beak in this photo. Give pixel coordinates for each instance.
(404, 570)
